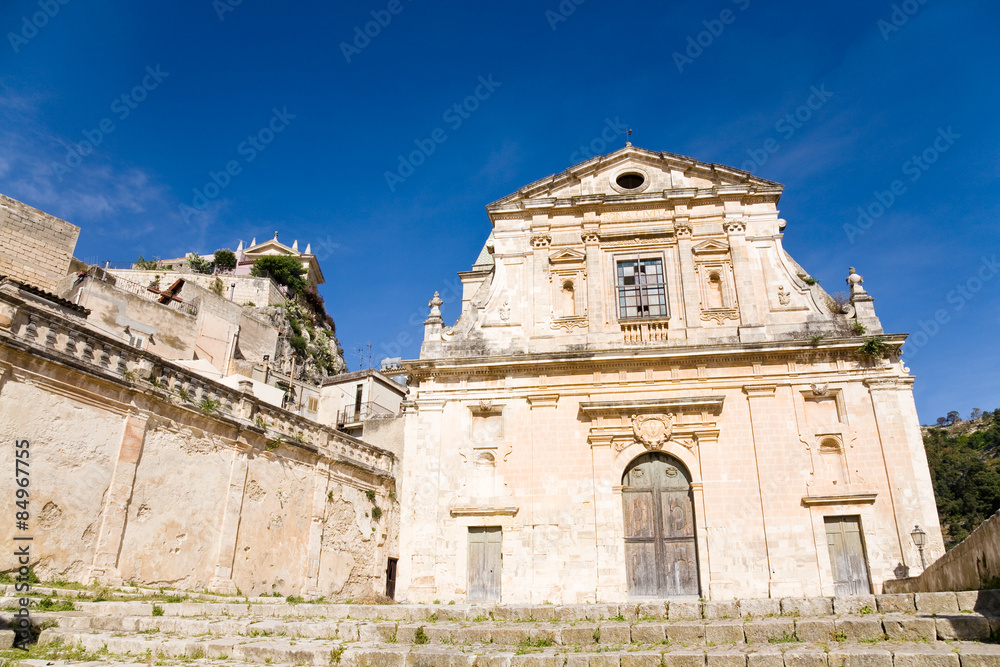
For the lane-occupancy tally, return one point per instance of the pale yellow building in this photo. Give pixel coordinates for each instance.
(645, 396)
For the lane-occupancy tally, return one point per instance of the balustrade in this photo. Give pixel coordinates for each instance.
(94, 349)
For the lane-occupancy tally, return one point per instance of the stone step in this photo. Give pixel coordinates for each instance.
(873, 627)
(926, 603)
(276, 650)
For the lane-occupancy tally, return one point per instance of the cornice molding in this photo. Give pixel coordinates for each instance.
(702, 403)
(860, 498)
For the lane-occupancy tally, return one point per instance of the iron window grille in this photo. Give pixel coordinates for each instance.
(642, 290)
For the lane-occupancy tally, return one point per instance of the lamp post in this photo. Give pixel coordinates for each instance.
(919, 539)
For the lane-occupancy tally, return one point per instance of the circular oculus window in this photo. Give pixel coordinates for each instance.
(630, 180)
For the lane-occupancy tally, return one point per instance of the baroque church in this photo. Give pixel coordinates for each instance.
(645, 396)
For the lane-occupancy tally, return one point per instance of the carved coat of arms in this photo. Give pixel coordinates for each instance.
(653, 430)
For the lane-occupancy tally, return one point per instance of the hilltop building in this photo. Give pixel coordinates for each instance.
(645, 397)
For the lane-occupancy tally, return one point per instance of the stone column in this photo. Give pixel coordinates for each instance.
(607, 510)
(232, 508)
(761, 400)
(321, 481)
(688, 312)
(911, 492)
(540, 288)
(543, 430)
(595, 284)
(707, 440)
(114, 511)
(751, 327)
(420, 525)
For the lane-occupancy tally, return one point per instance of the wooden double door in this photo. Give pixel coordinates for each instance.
(485, 563)
(660, 552)
(846, 543)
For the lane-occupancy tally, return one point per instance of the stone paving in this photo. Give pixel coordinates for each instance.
(906, 630)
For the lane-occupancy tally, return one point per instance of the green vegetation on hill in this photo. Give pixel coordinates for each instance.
(964, 458)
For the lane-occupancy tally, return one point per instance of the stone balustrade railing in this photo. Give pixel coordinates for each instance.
(50, 334)
(645, 331)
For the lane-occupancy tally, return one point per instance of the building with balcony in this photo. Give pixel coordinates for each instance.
(646, 397)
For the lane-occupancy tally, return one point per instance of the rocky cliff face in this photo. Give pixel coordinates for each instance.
(307, 347)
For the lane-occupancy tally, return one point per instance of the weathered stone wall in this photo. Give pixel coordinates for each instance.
(143, 471)
(249, 289)
(385, 433)
(174, 331)
(759, 487)
(973, 564)
(35, 247)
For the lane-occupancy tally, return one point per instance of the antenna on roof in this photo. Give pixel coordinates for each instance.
(628, 137)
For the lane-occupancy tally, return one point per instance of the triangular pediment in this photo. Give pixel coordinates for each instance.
(711, 247)
(567, 256)
(633, 173)
(271, 247)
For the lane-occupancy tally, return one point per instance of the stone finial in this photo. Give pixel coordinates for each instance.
(254, 242)
(435, 306)
(854, 281)
(434, 323)
(309, 249)
(239, 248)
(295, 245)
(275, 236)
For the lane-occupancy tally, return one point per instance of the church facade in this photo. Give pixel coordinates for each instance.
(646, 397)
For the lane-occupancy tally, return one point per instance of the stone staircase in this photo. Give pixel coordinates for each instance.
(904, 630)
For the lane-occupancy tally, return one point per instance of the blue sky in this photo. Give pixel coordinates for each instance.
(171, 93)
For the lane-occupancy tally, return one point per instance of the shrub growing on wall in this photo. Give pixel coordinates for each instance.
(199, 265)
(225, 259)
(286, 270)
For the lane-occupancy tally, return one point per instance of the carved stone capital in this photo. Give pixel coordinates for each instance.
(541, 241)
(759, 390)
(874, 384)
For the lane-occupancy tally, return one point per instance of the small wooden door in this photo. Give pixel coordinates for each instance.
(660, 555)
(390, 578)
(847, 555)
(484, 564)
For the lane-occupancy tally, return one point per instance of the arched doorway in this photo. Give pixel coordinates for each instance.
(660, 554)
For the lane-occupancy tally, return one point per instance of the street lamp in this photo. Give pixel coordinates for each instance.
(919, 539)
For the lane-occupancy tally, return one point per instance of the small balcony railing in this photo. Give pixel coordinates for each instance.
(357, 414)
(645, 330)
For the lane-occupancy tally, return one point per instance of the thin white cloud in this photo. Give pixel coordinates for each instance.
(95, 194)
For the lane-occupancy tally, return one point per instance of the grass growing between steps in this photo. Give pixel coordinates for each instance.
(528, 645)
(49, 652)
